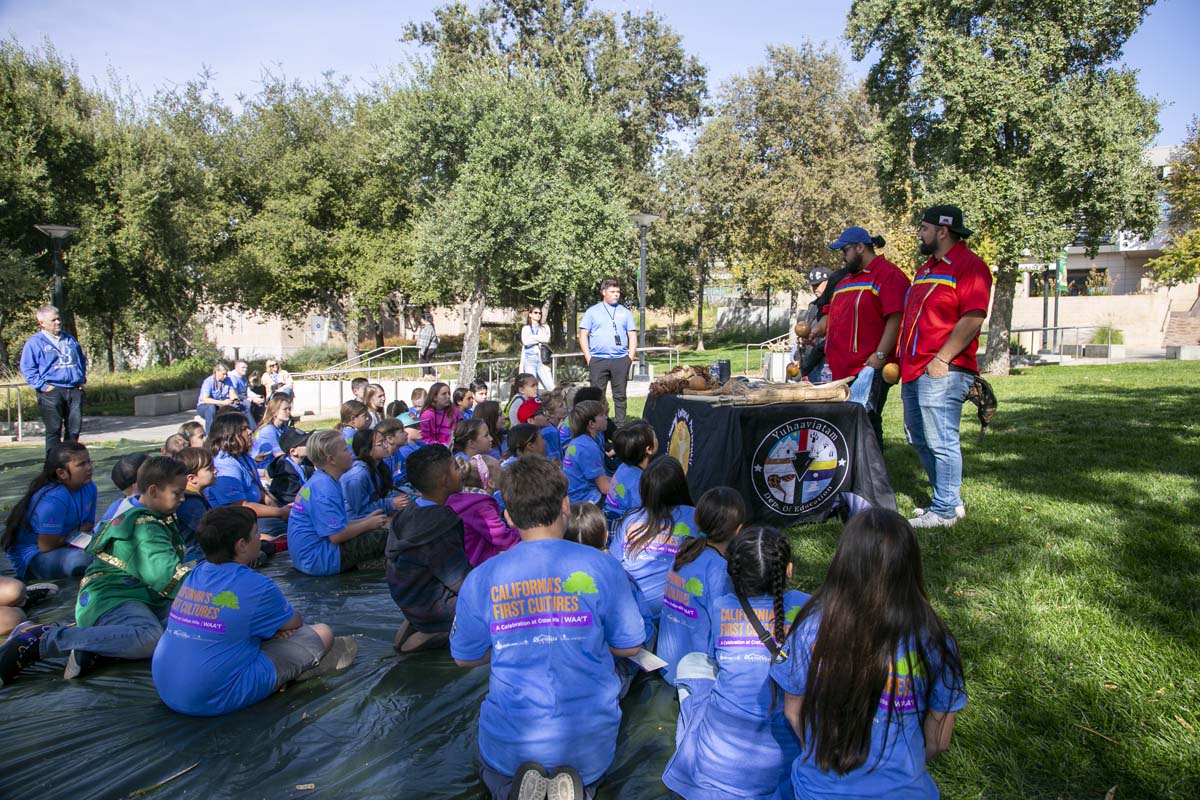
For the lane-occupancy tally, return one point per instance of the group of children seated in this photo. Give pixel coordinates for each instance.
(567, 558)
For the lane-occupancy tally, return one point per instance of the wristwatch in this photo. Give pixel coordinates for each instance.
(881, 355)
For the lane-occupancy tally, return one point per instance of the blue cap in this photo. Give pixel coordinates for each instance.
(852, 235)
(409, 419)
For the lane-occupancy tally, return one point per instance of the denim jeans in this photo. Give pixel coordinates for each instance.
(61, 562)
(932, 410)
(534, 366)
(129, 631)
(62, 413)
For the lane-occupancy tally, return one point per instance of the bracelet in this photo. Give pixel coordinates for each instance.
(944, 361)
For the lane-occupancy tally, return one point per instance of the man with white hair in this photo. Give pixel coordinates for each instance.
(53, 364)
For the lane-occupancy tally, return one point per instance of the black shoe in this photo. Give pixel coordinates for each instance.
(20, 649)
(37, 592)
(529, 783)
(564, 784)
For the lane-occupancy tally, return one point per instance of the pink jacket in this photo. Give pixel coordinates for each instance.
(437, 427)
(485, 532)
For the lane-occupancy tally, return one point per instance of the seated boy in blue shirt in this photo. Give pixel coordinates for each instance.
(293, 470)
(549, 615)
(426, 560)
(232, 639)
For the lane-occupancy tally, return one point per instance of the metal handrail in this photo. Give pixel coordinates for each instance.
(671, 351)
(1054, 339)
(332, 373)
(8, 390)
(363, 359)
(768, 345)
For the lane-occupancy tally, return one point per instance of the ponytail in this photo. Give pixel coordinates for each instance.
(878, 242)
(719, 516)
(58, 458)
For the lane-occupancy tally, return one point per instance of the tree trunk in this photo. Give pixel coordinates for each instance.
(109, 335)
(380, 322)
(554, 318)
(3, 342)
(995, 359)
(569, 312)
(350, 329)
(474, 321)
(700, 311)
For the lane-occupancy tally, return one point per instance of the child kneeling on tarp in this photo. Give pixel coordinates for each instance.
(549, 615)
(232, 639)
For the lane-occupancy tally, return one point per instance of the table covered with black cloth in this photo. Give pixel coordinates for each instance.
(792, 462)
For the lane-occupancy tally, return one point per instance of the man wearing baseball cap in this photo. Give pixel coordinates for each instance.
(863, 316)
(939, 337)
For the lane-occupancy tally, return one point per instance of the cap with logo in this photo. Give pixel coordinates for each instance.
(409, 420)
(950, 216)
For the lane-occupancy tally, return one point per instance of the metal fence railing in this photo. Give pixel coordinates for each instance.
(557, 370)
(11, 391)
(1064, 340)
(781, 343)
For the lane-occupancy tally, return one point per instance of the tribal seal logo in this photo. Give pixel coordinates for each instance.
(679, 445)
(799, 465)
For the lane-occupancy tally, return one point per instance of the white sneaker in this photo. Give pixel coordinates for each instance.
(960, 511)
(932, 520)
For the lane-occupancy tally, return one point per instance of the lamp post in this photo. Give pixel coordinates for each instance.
(643, 220)
(58, 234)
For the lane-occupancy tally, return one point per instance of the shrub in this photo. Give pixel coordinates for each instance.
(1107, 334)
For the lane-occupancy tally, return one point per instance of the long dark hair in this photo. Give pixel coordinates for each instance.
(362, 444)
(58, 458)
(225, 435)
(466, 430)
(872, 603)
(663, 487)
(521, 436)
(720, 513)
(489, 412)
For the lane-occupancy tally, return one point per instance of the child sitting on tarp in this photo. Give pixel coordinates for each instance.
(232, 639)
(549, 616)
(426, 559)
(124, 477)
(293, 469)
(126, 591)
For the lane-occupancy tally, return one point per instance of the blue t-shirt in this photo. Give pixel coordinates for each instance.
(687, 596)
(733, 725)
(210, 660)
(360, 488)
(266, 444)
(318, 512)
(583, 463)
(188, 515)
(53, 510)
(111, 511)
(553, 443)
(651, 563)
(564, 438)
(548, 610)
(608, 330)
(624, 493)
(217, 391)
(241, 386)
(237, 481)
(399, 459)
(901, 772)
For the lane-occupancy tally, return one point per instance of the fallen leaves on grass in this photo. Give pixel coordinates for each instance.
(1185, 723)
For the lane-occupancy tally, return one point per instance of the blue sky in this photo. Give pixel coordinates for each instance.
(156, 44)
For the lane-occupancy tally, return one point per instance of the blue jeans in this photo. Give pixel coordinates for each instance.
(129, 631)
(61, 562)
(932, 411)
(534, 366)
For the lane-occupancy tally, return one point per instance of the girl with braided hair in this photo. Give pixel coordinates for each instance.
(646, 539)
(732, 739)
(874, 680)
(699, 575)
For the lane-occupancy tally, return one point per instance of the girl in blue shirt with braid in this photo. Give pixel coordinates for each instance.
(368, 483)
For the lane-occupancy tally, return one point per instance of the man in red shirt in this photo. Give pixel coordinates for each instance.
(862, 319)
(939, 336)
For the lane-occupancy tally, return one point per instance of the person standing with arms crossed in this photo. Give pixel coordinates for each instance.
(939, 337)
(53, 364)
(608, 339)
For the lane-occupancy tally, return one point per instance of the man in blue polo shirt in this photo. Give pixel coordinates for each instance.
(54, 365)
(608, 339)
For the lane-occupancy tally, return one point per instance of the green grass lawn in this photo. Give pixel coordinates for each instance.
(1073, 585)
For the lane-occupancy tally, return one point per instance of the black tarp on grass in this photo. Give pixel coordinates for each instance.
(388, 727)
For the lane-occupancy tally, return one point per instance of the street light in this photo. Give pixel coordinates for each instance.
(58, 234)
(643, 219)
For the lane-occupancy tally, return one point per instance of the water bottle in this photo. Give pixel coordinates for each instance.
(826, 374)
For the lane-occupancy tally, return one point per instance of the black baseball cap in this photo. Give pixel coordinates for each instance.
(293, 437)
(950, 216)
